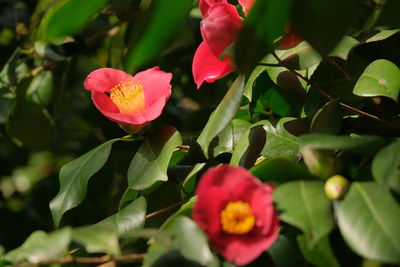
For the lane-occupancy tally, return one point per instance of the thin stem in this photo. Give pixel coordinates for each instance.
(269, 64)
(330, 98)
(161, 211)
(86, 260)
(339, 68)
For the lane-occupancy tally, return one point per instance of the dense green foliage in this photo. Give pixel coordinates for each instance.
(74, 183)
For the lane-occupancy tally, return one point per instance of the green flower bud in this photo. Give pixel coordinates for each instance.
(336, 187)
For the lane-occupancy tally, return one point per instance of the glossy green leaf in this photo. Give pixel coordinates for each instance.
(343, 48)
(321, 255)
(386, 166)
(150, 162)
(248, 88)
(190, 181)
(40, 246)
(381, 35)
(304, 205)
(324, 23)
(68, 17)
(8, 75)
(328, 119)
(128, 220)
(280, 143)
(30, 125)
(249, 147)
(184, 231)
(97, 239)
(299, 57)
(380, 78)
(280, 170)
(368, 220)
(74, 177)
(361, 145)
(163, 23)
(262, 27)
(222, 115)
(228, 138)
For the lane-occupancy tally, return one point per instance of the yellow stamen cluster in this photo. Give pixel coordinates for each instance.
(128, 97)
(237, 218)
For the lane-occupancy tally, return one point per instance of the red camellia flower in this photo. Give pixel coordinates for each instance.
(131, 101)
(236, 212)
(219, 28)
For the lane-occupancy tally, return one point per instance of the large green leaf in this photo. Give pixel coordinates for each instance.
(361, 145)
(386, 166)
(40, 246)
(163, 23)
(327, 119)
(368, 219)
(74, 177)
(304, 205)
(97, 239)
(380, 78)
(323, 23)
(321, 255)
(183, 231)
(280, 143)
(222, 115)
(128, 220)
(343, 48)
(150, 162)
(67, 18)
(284, 253)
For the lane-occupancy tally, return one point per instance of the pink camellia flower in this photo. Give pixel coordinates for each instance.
(219, 28)
(131, 101)
(236, 212)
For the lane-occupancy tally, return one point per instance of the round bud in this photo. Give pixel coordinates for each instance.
(336, 187)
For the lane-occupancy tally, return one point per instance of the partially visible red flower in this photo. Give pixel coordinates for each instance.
(219, 28)
(236, 212)
(131, 101)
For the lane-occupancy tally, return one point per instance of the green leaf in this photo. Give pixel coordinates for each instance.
(67, 18)
(381, 35)
(284, 253)
(40, 89)
(380, 78)
(386, 166)
(128, 220)
(190, 181)
(163, 23)
(150, 162)
(328, 119)
(280, 170)
(8, 74)
(262, 27)
(249, 147)
(343, 48)
(30, 125)
(305, 206)
(360, 145)
(184, 231)
(280, 143)
(323, 23)
(228, 138)
(368, 219)
(97, 239)
(222, 115)
(248, 89)
(74, 177)
(40, 246)
(300, 57)
(320, 255)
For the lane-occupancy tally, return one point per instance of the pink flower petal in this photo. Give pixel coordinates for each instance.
(205, 5)
(220, 27)
(104, 79)
(207, 67)
(156, 84)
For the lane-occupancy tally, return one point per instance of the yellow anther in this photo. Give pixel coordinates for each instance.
(237, 218)
(128, 97)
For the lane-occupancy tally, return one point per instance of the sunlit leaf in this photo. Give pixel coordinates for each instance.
(371, 208)
(150, 162)
(380, 78)
(74, 177)
(97, 239)
(304, 205)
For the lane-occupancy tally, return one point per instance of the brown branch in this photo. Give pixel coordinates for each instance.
(158, 212)
(330, 98)
(339, 68)
(86, 260)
